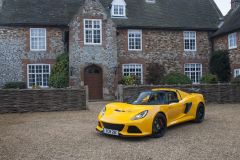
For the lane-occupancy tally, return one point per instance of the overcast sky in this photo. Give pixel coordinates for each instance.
(224, 5)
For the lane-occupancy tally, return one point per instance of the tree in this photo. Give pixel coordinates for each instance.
(220, 65)
(59, 77)
(155, 73)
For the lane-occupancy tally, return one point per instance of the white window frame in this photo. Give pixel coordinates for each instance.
(236, 72)
(195, 81)
(92, 43)
(118, 8)
(232, 40)
(130, 31)
(189, 39)
(135, 64)
(45, 30)
(36, 73)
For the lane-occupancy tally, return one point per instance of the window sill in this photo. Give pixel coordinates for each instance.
(232, 48)
(92, 44)
(33, 50)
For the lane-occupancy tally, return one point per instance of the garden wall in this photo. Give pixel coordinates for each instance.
(18, 101)
(213, 93)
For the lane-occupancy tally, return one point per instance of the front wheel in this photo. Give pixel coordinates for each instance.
(159, 126)
(200, 114)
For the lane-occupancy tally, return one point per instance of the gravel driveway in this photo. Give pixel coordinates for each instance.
(72, 136)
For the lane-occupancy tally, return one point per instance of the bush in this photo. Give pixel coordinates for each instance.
(176, 78)
(128, 80)
(236, 80)
(15, 85)
(209, 79)
(155, 73)
(59, 77)
(220, 65)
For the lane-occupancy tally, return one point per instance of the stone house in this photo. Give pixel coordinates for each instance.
(228, 36)
(105, 39)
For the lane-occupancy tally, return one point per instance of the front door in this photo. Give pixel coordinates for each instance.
(93, 79)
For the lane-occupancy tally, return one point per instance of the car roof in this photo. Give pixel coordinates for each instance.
(165, 89)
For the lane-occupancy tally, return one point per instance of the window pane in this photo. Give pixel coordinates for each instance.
(38, 75)
(190, 41)
(38, 39)
(135, 40)
(193, 71)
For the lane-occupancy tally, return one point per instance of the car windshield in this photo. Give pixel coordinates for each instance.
(150, 98)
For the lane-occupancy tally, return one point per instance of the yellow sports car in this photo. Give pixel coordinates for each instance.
(151, 113)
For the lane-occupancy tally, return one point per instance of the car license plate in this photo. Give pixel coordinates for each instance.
(110, 132)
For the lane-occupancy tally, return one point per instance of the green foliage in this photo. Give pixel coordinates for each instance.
(128, 80)
(209, 79)
(176, 78)
(220, 65)
(236, 80)
(59, 77)
(155, 73)
(15, 85)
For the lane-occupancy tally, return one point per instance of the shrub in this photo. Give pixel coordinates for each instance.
(15, 85)
(220, 65)
(236, 80)
(176, 78)
(59, 77)
(209, 79)
(155, 73)
(128, 80)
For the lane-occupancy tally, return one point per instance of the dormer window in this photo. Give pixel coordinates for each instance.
(118, 8)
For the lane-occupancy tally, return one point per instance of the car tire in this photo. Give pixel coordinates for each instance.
(200, 113)
(159, 126)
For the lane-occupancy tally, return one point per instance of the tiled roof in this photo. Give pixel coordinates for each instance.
(176, 14)
(231, 22)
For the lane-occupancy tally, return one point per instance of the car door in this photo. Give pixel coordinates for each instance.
(176, 108)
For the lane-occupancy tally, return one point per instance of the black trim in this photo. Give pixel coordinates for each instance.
(188, 107)
(118, 127)
(133, 129)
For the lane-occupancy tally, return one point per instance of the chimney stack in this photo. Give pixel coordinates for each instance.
(235, 3)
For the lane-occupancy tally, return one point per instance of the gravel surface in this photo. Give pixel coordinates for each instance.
(72, 136)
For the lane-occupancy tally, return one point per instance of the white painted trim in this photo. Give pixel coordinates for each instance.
(97, 44)
(118, 15)
(135, 69)
(201, 74)
(236, 72)
(35, 73)
(232, 36)
(190, 50)
(135, 31)
(31, 49)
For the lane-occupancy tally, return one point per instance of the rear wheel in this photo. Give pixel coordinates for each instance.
(200, 114)
(159, 126)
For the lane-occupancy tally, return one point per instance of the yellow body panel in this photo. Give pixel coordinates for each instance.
(122, 113)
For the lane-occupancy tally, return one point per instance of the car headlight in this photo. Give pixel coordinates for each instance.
(103, 111)
(140, 115)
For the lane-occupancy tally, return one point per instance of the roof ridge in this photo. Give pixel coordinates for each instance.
(216, 7)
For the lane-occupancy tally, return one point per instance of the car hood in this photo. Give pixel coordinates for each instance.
(122, 112)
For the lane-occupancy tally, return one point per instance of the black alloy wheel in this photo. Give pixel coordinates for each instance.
(200, 114)
(159, 126)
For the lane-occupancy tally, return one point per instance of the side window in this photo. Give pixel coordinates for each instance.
(157, 99)
(172, 97)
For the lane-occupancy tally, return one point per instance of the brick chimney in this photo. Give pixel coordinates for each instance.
(235, 3)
